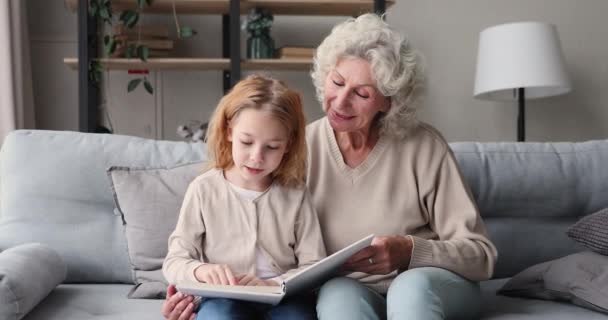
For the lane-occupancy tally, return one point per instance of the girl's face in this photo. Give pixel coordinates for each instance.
(259, 142)
(351, 99)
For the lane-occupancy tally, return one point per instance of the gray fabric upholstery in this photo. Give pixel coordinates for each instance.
(28, 273)
(55, 191)
(580, 278)
(529, 193)
(497, 307)
(592, 231)
(522, 242)
(149, 201)
(95, 302)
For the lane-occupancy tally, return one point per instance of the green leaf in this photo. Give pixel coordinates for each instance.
(131, 51)
(129, 18)
(110, 46)
(93, 9)
(143, 52)
(148, 86)
(132, 20)
(186, 32)
(133, 84)
(105, 13)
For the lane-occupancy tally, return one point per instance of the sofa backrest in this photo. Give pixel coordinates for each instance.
(54, 189)
(530, 193)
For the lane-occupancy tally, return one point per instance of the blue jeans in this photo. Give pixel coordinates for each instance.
(421, 293)
(297, 308)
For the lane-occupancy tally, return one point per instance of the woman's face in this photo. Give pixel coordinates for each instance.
(351, 99)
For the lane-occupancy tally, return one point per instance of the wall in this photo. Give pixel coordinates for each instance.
(445, 32)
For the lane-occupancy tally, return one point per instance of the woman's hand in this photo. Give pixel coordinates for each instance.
(252, 280)
(385, 255)
(177, 306)
(215, 274)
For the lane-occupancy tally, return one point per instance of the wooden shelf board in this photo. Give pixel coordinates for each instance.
(197, 64)
(277, 7)
(277, 64)
(158, 63)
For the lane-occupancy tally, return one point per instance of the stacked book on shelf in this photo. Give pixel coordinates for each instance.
(295, 53)
(155, 37)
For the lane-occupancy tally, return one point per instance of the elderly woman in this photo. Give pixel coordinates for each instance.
(374, 169)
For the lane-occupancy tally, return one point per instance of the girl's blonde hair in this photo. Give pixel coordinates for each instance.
(265, 94)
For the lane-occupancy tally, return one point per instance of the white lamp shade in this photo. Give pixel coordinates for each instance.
(520, 55)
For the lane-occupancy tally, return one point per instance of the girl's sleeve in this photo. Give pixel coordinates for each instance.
(185, 243)
(309, 246)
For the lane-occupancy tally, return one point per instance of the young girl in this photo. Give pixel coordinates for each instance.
(249, 220)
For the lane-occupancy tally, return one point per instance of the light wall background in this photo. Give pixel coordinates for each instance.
(444, 31)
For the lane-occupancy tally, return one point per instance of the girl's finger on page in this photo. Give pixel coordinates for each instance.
(231, 279)
(221, 275)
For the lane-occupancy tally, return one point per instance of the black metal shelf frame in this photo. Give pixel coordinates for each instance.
(88, 92)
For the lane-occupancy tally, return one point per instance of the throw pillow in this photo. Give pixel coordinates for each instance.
(580, 278)
(592, 231)
(28, 273)
(149, 201)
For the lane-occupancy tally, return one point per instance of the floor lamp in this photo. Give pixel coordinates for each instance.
(519, 61)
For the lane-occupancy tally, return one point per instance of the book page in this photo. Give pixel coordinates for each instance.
(323, 270)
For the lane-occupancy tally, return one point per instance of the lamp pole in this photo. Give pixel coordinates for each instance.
(521, 117)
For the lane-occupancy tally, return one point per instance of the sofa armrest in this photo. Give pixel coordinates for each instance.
(28, 273)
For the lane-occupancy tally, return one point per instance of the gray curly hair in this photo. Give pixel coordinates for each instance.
(394, 64)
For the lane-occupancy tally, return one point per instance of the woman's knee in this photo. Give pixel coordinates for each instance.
(432, 293)
(346, 298)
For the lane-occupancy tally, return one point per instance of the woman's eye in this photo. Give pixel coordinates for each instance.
(272, 147)
(247, 143)
(362, 95)
(339, 84)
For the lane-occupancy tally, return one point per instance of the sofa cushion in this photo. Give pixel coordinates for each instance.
(529, 193)
(580, 278)
(592, 231)
(523, 242)
(498, 307)
(149, 201)
(55, 191)
(28, 273)
(95, 302)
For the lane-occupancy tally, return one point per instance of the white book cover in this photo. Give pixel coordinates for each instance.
(306, 279)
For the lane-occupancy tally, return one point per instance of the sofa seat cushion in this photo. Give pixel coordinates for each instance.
(94, 301)
(497, 307)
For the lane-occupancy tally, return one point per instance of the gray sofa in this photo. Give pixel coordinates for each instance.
(54, 190)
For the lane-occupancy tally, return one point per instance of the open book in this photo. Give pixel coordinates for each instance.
(306, 279)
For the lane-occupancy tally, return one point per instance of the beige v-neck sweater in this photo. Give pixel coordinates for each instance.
(411, 187)
(216, 225)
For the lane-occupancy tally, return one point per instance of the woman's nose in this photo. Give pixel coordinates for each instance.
(342, 98)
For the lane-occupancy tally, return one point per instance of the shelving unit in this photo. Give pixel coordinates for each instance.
(230, 63)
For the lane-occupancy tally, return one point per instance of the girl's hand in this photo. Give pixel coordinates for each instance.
(215, 274)
(383, 256)
(177, 306)
(252, 280)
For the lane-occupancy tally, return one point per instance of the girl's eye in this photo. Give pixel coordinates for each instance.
(272, 147)
(339, 84)
(247, 143)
